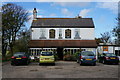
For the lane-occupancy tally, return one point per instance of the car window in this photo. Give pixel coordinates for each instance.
(87, 53)
(110, 54)
(19, 54)
(46, 53)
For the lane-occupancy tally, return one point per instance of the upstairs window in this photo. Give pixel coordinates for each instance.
(67, 33)
(51, 33)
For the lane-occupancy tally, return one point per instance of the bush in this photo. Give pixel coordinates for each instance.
(56, 57)
(76, 54)
(69, 58)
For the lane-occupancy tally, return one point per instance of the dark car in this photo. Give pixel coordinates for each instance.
(87, 57)
(20, 58)
(108, 58)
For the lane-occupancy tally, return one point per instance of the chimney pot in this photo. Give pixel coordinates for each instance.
(34, 14)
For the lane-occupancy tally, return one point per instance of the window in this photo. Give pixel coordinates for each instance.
(87, 53)
(77, 34)
(51, 33)
(42, 36)
(68, 33)
(46, 53)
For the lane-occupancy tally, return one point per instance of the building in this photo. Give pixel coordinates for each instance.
(108, 48)
(62, 35)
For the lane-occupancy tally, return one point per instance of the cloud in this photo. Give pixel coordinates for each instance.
(66, 12)
(72, 4)
(113, 6)
(84, 12)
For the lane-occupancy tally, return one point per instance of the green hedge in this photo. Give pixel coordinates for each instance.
(70, 57)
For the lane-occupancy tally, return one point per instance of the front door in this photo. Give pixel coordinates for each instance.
(60, 53)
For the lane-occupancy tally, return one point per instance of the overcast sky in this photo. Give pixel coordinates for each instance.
(103, 13)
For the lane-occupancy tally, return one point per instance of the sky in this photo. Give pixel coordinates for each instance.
(104, 14)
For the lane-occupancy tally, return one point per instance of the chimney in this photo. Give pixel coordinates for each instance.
(34, 14)
(79, 16)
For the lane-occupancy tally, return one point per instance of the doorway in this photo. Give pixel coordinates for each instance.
(60, 53)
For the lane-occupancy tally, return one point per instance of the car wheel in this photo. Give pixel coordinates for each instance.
(12, 64)
(16, 64)
(117, 63)
(53, 64)
(39, 64)
(94, 64)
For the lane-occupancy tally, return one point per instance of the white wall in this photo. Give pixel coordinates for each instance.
(110, 49)
(117, 48)
(35, 34)
(85, 33)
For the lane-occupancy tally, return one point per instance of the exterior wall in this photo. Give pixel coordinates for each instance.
(87, 33)
(117, 48)
(111, 49)
(35, 33)
(84, 33)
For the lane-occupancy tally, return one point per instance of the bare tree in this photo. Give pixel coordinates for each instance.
(116, 32)
(105, 37)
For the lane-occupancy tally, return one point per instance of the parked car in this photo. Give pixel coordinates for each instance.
(108, 58)
(20, 58)
(47, 57)
(86, 57)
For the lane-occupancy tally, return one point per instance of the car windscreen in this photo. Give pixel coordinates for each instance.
(87, 53)
(110, 54)
(46, 53)
(19, 54)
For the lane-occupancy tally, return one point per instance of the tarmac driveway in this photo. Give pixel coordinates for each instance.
(62, 69)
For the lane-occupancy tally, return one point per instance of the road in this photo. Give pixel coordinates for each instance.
(62, 69)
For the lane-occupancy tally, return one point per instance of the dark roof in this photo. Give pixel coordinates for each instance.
(63, 22)
(62, 43)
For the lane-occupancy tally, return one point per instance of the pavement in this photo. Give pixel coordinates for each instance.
(62, 69)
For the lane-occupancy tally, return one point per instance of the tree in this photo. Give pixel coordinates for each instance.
(13, 19)
(105, 37)
(116, 32)
(98, 40)
(21, 44)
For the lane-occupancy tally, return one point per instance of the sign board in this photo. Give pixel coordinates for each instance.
(105, 48)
